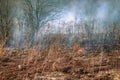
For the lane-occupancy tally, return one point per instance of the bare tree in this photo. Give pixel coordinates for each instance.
(39, 12)
(5, 21)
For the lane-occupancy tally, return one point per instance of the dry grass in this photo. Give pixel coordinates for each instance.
(58, 64)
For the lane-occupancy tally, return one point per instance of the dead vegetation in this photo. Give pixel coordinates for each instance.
(58, 64)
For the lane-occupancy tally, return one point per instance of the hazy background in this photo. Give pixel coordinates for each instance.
(28, 21)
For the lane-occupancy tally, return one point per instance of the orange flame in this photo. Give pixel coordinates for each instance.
(80, 50)
(76, 47)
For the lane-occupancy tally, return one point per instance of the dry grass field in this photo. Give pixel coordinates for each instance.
(58, 64)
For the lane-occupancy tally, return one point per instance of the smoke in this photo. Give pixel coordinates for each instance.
(102, 12)
(106, 10)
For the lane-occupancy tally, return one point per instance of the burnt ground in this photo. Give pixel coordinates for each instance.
(52, 64)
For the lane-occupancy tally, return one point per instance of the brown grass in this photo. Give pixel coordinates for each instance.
(58, 64)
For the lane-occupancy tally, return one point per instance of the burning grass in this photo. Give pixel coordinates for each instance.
(59, 64)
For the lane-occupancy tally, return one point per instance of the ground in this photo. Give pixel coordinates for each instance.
(60, 64)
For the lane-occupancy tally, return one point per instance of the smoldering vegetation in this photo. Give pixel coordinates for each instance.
(59, 40)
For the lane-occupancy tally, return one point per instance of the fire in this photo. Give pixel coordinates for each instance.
(80, 50)
(77, 48)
